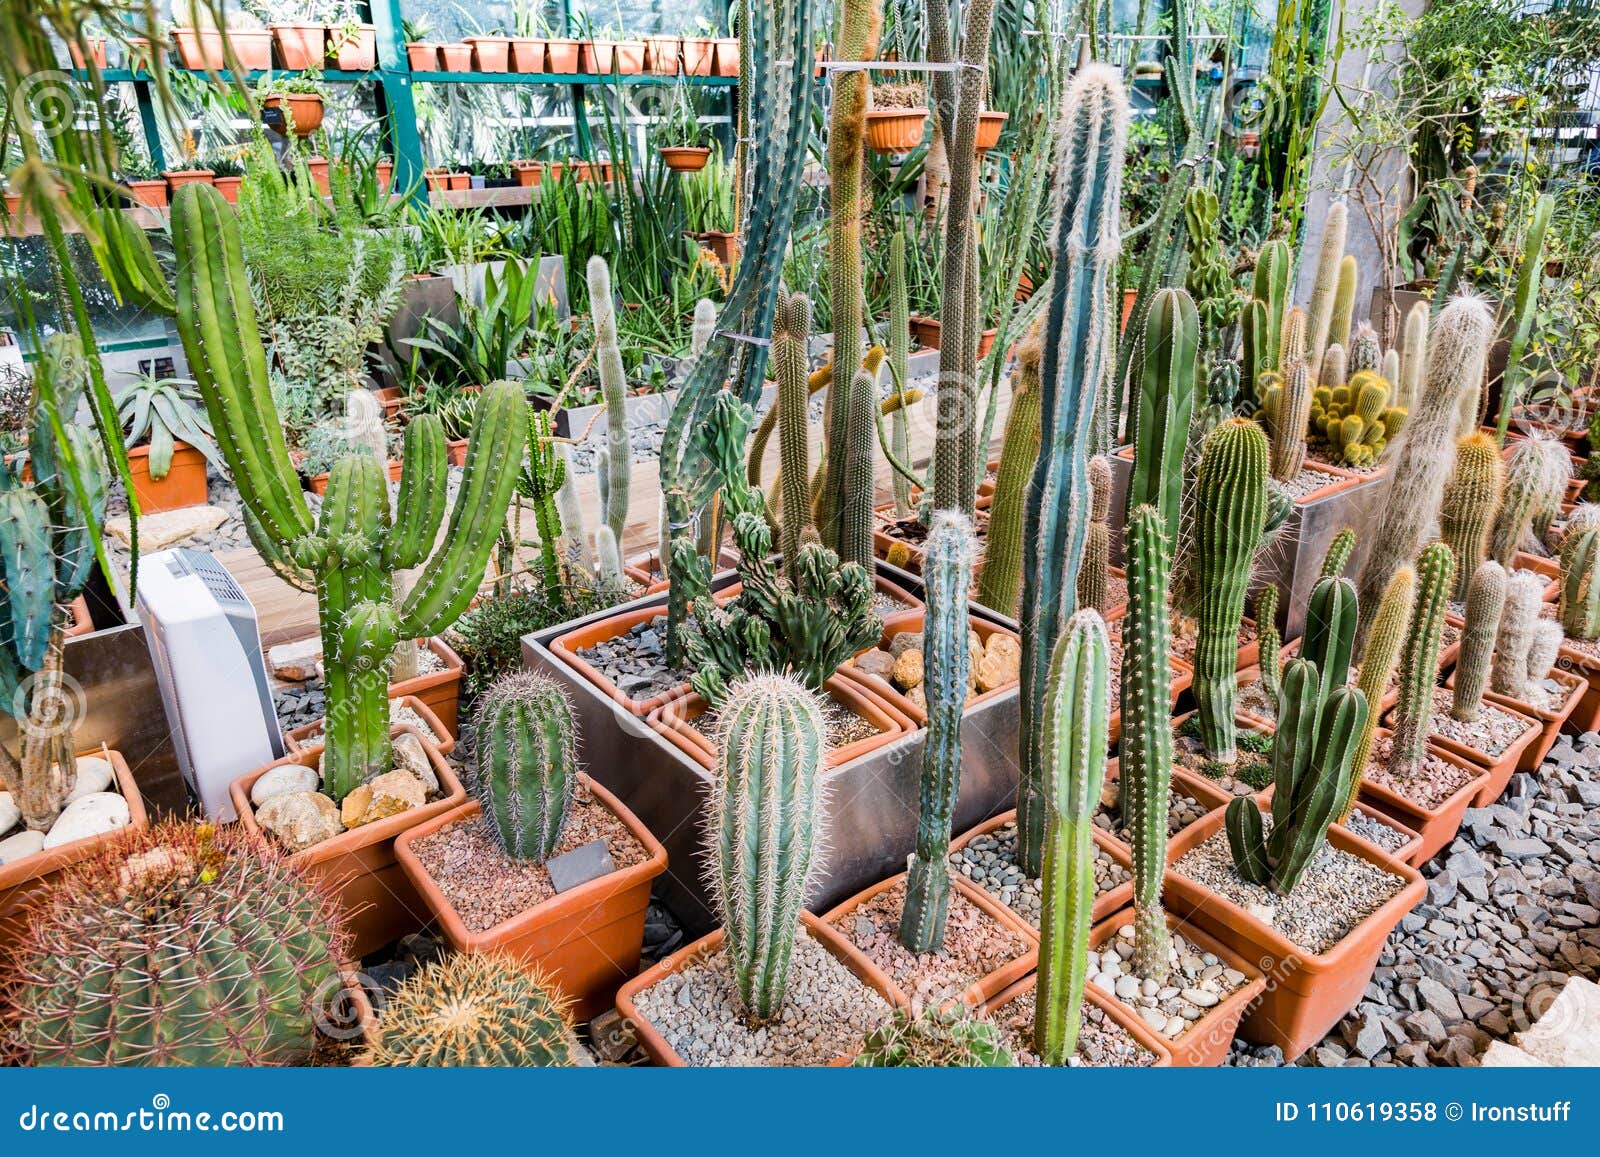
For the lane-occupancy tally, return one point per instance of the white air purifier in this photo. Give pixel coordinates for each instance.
(201, 630)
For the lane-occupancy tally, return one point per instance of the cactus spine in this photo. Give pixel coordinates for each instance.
(947, 573)
(1486, 599)
(1291, 414)
(1233, 476)
(1094, 578)
(1365, 355)
(766, 818)
(1147, 734)
(1536, 475)
(1344, 304)
(614, 389)
(1078, 338)
(1419, 668)
(1387, 636)
(1339, 552)
(1580, 593)
(1325, 288)
(1515, 644)
(1330, 633)
(349, 556)
(1471, 499)
(1075, 745)
(1166, 403)
(1000, 582)
(1271, 645)
(526, 767)
(794, 440)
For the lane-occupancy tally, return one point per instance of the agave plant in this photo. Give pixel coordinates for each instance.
(162, 412)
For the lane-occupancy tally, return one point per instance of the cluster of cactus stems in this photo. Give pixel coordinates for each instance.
(1330, 633)
(1580, 593)
(474, 1009)
(192, 945)
(1075, 742)
(1536, 475)
(1526, 645)
(1419, 666)
(1486, 600)
(935, 1038)
(1261, 324)
(1354, 416)
(1078, 338)
(766, 817)
(525, 772)
(1000, 583)
(1391, 623)
(946, 661)
(1471, 500)
(792, 328)
(349, 555)
(540, 481)
(615, 468)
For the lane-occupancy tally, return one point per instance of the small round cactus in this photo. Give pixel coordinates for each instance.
(527, 764)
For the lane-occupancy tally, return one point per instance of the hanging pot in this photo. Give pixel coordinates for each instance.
(895, 131)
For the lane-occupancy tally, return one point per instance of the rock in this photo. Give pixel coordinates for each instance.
(918, 697)
(90, 815)
(280, 780)
(10, 813)
(905, 641)
(1520, 849)
(94, 775)
(390, 794)
(1439, 999)
(1369, 1039)
(355, 806)
(296, 662)
(876, 662)
(24, 843)
(168, 528)
(299, 819)
(410, 755)
(1000, 664)
(612, 1036)
(908, 670)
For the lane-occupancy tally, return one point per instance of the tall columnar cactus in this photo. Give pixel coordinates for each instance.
(1000, 583)
(1471, 500)
(900, 369)
(1344, 303)
(1264, 325)
(1486, 599)
(1389, 370)
(1536, 475)
(946, 661)
(526, 767)
(855, 507)
(1580, 593)
(478, 1009)
(1390, 624)
(1094, 577)
(1522, 651)
(789, 335)
(542, 478)
(1165, 405)
(1329, 639)
(1147, 733)
(1078, 338)
(349, 555)
(1325, 287)
(1338, 553)
(1075, 742)
(1423, 460)
(1290, 410)
(192, 945)
(1419, 667)
(1232, 476)
(766, 828)
(614, 389)
(1413, 355)
(1313, 755)
(1270, 643)
(1365, 354)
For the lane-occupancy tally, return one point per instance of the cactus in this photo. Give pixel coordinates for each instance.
(1423, 460)
(1536, 475)
(1165, 405)
(766, 818)
(191, 945)
(1325, 289)
(1094, 577)
(1344, 303)
(608, 561)
(855, 507)
(1389, 368)
(478, 1009)
(789, 335)
(1467, 510)
(580, 564)
(1000, 582)
(618, 469)
(1270, 644)
(946, 658)
(1313, 753)
(540, 481)
(900, 370)
(1332, 371)
(526, 766)
(1387, 636)
(1354, 418)
(1580, 593)
(1486, 599)
(1086, 239)
(1365, 355)
(1329, 638)
(1294, 345)
(1291, 413)
(1233, 477)
(1147, 733)
(1338, 553)
(1263, 328)
(1419, 666)
(1413, 355)
(1076, 742)
(1513, 669)
(934, 1038)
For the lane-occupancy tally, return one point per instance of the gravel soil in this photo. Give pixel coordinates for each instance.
(1251, 773)
(1102, 1042)
(1380, 835)
(1491, 733)
(1428, 787)
(1182, 810)
(1550, 694)
(1198, 981)
(635, 661)
(1309, 480)
(990, 862)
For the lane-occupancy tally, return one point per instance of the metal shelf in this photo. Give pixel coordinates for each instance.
(568, 79)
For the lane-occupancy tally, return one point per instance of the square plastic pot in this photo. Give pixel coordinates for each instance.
(184, 484)
(1551, 720)
(311, 733)
(1106, 903)
(1114, 1010)
(1497, 768)
(1438, 825)
(440, 690)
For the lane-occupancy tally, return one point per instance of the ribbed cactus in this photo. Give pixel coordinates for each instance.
(525, 771)
(1423, 460)
(1313, 753)
(1519, 638)
(1289, 407)
(1232, 476)
(861, 438)
(1147, 734)
(1413, 355)
(936, 1038)
(1295, 343)
(614, 389)
(1325, 288)
(1364, 354)
(349, 555)
(900, 367)
(946, 662)
(1075, 743)
(1486, 599)
(1000, 583)
(1332, 372)
(1270, 286)
(1337, 556)
(191, 945)
(1536, 475)
(1094, 576)
(1330, 633)
(1419, 666)
(474, 1009)
(1270, 644)
(1389, 370)
(766, 819)
(790, 331)
(1471, 500)
(1390, 624)
(540, 482)
(1165, 405)
(1344, 303)
(1580, 593)
(1078, 338)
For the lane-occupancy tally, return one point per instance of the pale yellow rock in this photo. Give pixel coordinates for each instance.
(1000, 664)
(168, 528)
(908, 670)
(390, 794)
(297, 661)
(409, 755)
(299, 818)
(352, 813)
(918, 696)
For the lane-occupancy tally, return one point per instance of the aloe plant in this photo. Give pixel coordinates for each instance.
(161, 412)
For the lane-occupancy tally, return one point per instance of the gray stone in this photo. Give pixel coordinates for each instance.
(300, 818)
(24, 843)
(1521, 849)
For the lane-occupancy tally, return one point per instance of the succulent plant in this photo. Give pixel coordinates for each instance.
(1580, 593)
(1536, 474)
(1390, 626)
(1419, 668)
(1471, 499)
(1486, 599)
(1094, 575)
(617, 471)
(1000, 583)
(526, 763)
(1523, 650)
(1355, 419)
(1270, 644)
(935, 1039)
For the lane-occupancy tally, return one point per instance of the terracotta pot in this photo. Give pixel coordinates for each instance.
(24, 881)
(1113, 1009)
(986, 342)
(151, 194)
(699, 56)
(624, 57)
(1184, 782)
(985, 987)
(357, 1013)
(527, 54)
(911, 621)
(383, 172)
(1208, 1039)
(178, 178)
(925, 332)
(1408, 852)
(674, 722)
(305, 108)
(82, 623)
(723, 246)
(685, 158)
(1112, 900)
(319, 173)
(1129, 297)
(252, 47)
(662, 54)
(655, 1044)
(300, 44)
(728, 57)
(437, 180)
(229, 188)
(491, 53)
(990, 123)
(566, 647)
(1499, 767)
(1437, 826)
(456, 57)
(895, 131)
(1574, 661)
(356, 53)
(563, 55)
(139, 55)
(1306, 994)
(460, 181)
(359, 867)
(184, 485)
(97, 53)
(310, 734)
(422, 56)
(319, 482)
(587, 940)
(200, 48)
(1550, 720)
(440, 691)
(457, 451)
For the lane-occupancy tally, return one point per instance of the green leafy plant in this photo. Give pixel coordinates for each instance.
(161, 412)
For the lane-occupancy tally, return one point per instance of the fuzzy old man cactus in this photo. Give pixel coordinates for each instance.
(348, 555)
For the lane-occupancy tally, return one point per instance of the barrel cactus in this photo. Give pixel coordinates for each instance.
(526, 763)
